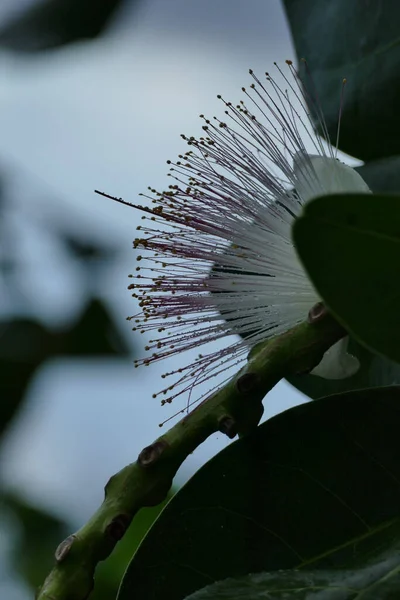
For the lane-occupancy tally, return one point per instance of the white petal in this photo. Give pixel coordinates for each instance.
(337, 363)
(319, 175)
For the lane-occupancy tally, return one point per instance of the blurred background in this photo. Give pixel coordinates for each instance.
(94, 95)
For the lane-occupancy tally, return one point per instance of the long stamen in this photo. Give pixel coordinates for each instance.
(217, 259)
(340, 115)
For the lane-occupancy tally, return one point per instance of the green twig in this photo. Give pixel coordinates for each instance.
(235, 409)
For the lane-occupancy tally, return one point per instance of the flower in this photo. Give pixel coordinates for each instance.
(219, 261)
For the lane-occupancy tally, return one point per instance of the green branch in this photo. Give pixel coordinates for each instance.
(235, 409)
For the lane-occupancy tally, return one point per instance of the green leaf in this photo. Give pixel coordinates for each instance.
(349, 246)
(369, 59)
(54, 23)
(379, 578)
(38, 535)
(23, 347)
(318, 482)
(374, 371)
(382, 175)
(87, 251)
(94, 333)
(110, 572)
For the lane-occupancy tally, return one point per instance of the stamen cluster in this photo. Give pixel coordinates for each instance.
(216, 253)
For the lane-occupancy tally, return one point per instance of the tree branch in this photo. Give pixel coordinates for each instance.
(234, 409)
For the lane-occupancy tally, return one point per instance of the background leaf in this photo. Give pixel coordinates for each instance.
(349, 246)
(54, 23)
(26, 344)
(94, 333)
(22, 350)
(306, 485)
(358, 41)
(38, 534)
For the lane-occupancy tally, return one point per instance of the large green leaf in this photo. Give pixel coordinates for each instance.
(350, 248)
(358, 41)
(319, 481)
(378, 578)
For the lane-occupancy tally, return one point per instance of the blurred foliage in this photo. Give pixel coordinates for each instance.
(26, 342)
(38, 534)
(49, 24)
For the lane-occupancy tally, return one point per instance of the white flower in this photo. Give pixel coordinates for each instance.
(218, 242)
